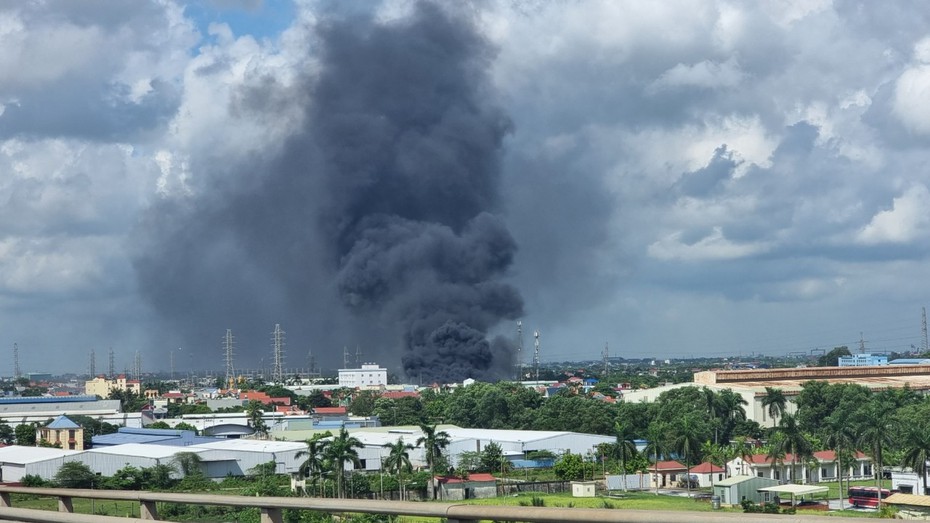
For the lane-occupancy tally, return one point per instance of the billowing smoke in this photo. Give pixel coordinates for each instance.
(394, 177)
(410, 150)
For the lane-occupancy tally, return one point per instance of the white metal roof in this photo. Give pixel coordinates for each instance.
(795, 490)
(20, 455)
(142, 450)
(251, 445)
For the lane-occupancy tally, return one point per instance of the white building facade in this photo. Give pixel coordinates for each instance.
(370, 375)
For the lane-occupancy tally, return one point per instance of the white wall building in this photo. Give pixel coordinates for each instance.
(370, 375)
(17, 461)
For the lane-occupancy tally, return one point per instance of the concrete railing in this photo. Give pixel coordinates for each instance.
(271, 509)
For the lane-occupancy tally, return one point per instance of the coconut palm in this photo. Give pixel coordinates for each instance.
(398, 461)
(876, 428)
(774, 402)
(917, 449)
(433, 444)
(342, 450)
(315, 453)
(842, 439)
(794, 442)
(656, 445)
(625, 448)
(687, 442)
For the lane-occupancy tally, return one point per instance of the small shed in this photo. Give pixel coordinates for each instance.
(735, 489)
(583, 489)
(475, 486)
(910, 506)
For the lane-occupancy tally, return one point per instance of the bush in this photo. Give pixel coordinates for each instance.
(32, 480)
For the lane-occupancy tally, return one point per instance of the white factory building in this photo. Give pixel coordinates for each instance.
(16, 462)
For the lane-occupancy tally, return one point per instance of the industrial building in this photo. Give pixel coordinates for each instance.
(17, 461)
(369, 376)
(39, 409)
(751, 384)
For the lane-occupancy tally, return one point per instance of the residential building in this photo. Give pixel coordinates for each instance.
(823, 467)
(862, 360)
(101, 386)
(62, 432)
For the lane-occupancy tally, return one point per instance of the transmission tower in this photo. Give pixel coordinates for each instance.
(518, 360)
(345, 357)
(923, 327)
(536, 355)
(277, 372)
(137, 366)
(112, 369)
(17, 372)
(606, 355)
(229, 344)
(311, 361)
(93, 364)
(861, 344)
(358, 357)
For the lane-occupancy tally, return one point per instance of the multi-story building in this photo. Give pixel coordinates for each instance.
(100, 386)
(370, 375)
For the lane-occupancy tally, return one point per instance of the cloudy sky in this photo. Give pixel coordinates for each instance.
(678, 179)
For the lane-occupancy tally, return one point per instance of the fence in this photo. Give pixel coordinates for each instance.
(272, 509)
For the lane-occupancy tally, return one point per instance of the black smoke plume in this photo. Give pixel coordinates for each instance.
(389, 191)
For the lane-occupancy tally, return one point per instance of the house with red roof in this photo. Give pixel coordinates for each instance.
(707, 474)
(666, 473)
(821, 467)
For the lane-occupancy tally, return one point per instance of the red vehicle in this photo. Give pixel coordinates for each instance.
(866, 496)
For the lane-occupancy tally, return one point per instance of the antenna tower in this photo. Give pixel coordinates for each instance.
(606, 355)
(112, 369)
(93, 364)
(229, 344)
(518, 367)
(277, 372)
(17, 372)
(923, 327)
(536, 355)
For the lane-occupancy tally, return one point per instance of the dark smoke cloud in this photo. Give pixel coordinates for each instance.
(374, 223)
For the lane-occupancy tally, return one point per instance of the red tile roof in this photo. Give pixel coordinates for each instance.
(329, 410)
(668, 465)
(821, 455)
(478, 476)
(706, 468)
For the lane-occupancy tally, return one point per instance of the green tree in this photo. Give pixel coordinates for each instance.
(74, 474)
(624, 448)
(841, 438)
(188, 463)
(186, 426)
(832, 358)
(315, 454)
(917, 448)
(569, 467)
(774, 402)
(876, 430)
(397, 461)
(343, 450)
(7, 434)
(256, 412)
(26, 434)
(492, 458)
(686, 440)
(433, 443)
(656, 445)
(363, 403)
(793, 441)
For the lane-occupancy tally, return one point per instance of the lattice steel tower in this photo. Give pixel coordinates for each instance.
(93, 364)
(536, 355)
(112, 369)
(17, 372)
(277, 340)
(229, 345)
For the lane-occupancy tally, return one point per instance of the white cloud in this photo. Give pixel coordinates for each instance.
(906, 221)
(704, 74)
(714, 246)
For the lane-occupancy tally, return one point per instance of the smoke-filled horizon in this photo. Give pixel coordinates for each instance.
(379, 207)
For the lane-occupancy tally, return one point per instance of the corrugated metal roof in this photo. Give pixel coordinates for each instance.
(62, 422)
(124, 439)
(251, 445)
(141, 450)
(22, 455)
(914, 500)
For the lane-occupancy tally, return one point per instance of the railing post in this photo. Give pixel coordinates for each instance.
(271, 515)
(5, 499)
(64, 504)
(148, 510)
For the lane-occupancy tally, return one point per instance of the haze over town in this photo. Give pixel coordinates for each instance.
(676, 179)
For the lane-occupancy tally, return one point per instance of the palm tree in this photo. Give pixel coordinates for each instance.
(731, 409)
(433, 444)
(256, 411)
(741, 448)
(917, 449)
(343, 450)
(315, 453)
(794, 442)
(776, 451)
(625, 448)
(655, 445)
(841, 438)
(775, 402)
(715, 455)
(398, 461)
(876, 429)
(687, 442)
(187, 462)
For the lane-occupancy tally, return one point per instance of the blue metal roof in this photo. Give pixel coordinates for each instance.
(106, 440)
(63, 422)
(46, 399)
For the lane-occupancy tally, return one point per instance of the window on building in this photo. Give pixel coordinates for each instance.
(906, 489)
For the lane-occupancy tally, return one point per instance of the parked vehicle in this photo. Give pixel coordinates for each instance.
(866, 496)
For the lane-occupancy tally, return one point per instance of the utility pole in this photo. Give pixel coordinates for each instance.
(277, 372)
(536, 356)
